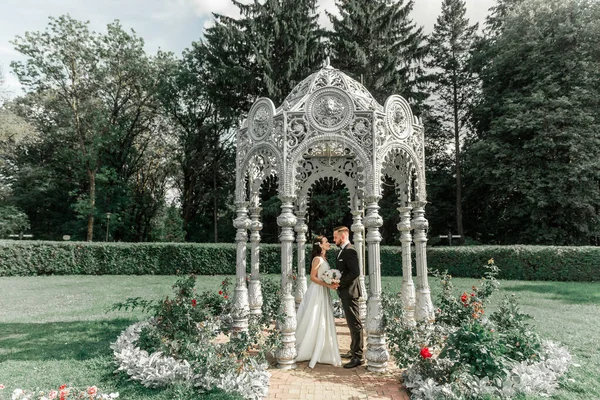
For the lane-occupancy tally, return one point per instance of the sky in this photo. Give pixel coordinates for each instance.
(170, 25)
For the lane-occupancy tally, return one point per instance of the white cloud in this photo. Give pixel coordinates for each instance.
(7, 50)
(204, 8)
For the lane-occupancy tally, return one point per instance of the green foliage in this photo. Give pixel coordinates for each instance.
(462, 345)
(12, 221)
(476, 348)
(521, 342)
(102, 144)
(405, 339)
(271, 296)
(535, 166)
(455, 85)
(67, 258)
(168, 226)
(186, 327)
(376, 42)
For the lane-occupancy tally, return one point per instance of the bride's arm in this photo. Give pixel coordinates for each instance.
(314, 270)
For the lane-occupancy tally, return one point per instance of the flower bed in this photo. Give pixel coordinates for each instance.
(157, 370)
(467, 354)
(62, 393)
(179, 345)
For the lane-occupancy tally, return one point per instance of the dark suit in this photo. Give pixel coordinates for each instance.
(349, 292)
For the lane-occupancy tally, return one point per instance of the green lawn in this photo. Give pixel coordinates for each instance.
(56, 330)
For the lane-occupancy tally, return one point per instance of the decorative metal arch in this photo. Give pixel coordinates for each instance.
(269, 153)
(359, 156)
(402, 173)
(330, 126)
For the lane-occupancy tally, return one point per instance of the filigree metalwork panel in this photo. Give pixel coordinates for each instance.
(398, 117)
(260, 119)
(297, 129)
(329, 77)
(329, 109)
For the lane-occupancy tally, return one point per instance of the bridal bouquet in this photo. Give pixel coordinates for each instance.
(331, 276)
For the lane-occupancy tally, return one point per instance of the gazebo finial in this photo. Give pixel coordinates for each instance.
(326, 63)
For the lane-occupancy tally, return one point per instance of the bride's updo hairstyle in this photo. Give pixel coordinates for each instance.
(316, 249)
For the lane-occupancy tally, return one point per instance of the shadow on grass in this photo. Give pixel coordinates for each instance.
(77, 340)
(569, 292)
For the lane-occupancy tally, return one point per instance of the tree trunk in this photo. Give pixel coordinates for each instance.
(90, 226)
(216, 229)
(459, 219)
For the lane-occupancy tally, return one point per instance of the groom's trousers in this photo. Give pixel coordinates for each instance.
(351, 310)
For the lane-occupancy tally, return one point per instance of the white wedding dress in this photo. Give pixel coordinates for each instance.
(316, 339)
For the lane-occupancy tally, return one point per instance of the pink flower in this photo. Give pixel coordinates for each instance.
(2, 386)
(92, 390)
(52, 394)
(425, 353)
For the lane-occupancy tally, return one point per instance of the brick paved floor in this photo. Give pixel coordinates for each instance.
(336, 383)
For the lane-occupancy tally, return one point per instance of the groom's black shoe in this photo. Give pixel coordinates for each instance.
(347, 355)
(355, 362)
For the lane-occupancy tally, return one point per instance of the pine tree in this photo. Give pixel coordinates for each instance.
(453, 82)
(266, 52)
(376, 42)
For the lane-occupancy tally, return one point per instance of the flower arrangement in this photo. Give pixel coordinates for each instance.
(62, 393)
(178, 345)
(468, 354)
(331, 276)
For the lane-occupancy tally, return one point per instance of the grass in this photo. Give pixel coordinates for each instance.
(55, 329)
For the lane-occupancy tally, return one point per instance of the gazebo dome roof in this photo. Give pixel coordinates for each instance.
(329, 77)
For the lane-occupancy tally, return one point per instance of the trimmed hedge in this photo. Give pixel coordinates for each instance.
(22, 258)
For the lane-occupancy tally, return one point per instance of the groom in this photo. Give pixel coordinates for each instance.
(349, 292)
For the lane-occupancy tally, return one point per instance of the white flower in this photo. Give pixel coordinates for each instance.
(331, 276)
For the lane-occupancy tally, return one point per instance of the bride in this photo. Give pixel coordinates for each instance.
(316, 339)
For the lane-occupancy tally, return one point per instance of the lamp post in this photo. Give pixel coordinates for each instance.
(107, 223)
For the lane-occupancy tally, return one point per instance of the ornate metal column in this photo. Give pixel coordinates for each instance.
(301, 228)
(254, 288)
(241, 308)
(424, 306)
(286, 356)
(377, 354)
(358, 229)
(408, 287)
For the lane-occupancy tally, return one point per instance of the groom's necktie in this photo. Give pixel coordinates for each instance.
(343, 247)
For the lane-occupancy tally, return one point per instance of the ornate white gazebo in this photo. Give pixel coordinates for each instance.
(331, 127)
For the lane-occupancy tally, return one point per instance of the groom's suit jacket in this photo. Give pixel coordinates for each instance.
(347, 264)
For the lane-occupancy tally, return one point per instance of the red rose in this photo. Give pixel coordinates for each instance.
(225, 296)
(463, 298)
(222, 283)
(425, 353)
(220, 292)
(92, 390)
(63, 387)
(194, 303)
(472, 294)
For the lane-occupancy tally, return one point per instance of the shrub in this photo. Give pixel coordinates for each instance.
(21, 258)
(465, 354)
(178, 344)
